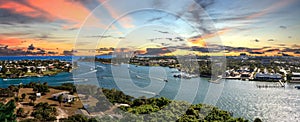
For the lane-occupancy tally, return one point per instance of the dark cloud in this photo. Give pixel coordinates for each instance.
(5, 51)
(256, 40)
(297, 52)
(281, 45)
(272, 50)
(31, 47)
(283, 27)
(11, 18)
(164, 32)
(179, 38)
(158, 51)
(256, 52)
(194, 13)
(68, 52)
(155, 19)
(89, 4)
(100, 36)
(16, 34)
(289, 37)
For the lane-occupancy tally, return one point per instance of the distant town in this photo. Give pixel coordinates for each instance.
(33, 68)
(242, 67)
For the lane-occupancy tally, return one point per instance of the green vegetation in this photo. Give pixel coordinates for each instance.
(44, 112)
(172, 110)
(7, 112)
(66, 86)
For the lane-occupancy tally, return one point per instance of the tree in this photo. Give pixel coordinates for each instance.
(7, 111)
(60, 99)
(21, 113)
(44, 112)
(32, 98)
(17, 99)
(257, 120)
(23, 96)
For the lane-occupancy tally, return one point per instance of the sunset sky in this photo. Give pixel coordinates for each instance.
(258, 27)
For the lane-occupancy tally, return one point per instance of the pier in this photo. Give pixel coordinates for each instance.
(280, 85)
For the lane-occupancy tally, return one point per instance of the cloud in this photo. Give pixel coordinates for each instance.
(283, 27)
(164, 32)
(125, 21)
(9, 17)
(199, 40)
(14, 34)
(256, 52)
(157, 51)
(271, 40)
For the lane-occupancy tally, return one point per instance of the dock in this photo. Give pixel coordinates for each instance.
(280, 85)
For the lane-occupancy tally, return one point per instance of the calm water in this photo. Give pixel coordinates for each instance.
(242, 98)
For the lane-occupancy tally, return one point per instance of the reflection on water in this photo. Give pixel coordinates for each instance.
(242, 98)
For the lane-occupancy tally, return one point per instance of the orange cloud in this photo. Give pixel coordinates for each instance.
(200, 41)
(11, 42)
(22, 9)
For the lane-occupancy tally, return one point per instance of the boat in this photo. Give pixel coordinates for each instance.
(5, 79)
(298, 87)
(138, 76)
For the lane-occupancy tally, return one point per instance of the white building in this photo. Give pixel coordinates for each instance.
(295, 77)
(65, 95)
(42, 68)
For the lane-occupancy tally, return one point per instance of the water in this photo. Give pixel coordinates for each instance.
(242, 98)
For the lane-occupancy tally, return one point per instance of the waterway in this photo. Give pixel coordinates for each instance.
(242, 98)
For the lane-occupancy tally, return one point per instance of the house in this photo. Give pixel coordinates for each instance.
(38, 95)
(42, 68)
(30, 68)
(295, 78)
(66, 96)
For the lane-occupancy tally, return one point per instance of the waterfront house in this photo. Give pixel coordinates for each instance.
(30, 68)
(295, 77)
(42, 68)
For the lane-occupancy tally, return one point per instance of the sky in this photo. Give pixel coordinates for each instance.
(58, 27)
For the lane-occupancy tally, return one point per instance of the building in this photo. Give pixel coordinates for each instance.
(42, 68)
(295, 78)
(65, 95)
(268, 76)
(38, 95)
